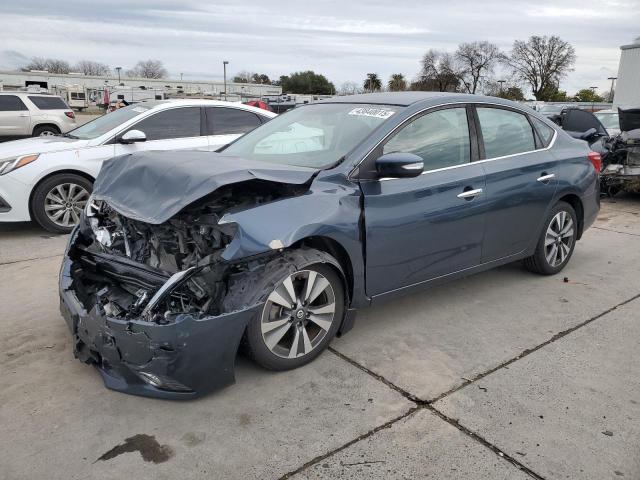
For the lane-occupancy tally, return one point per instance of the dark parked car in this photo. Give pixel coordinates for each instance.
(281, 237)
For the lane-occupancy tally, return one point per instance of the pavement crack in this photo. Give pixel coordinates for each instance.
(371, 432)
(529, 351)
(618, 231)
(11, 262)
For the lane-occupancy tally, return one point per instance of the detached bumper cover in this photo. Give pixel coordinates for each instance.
(190, 356)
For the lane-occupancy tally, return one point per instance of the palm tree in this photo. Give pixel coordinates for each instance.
(397, 83)
(372, 83)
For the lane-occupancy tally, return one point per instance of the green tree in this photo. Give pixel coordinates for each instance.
(397, 83)
(542, 62)
(307, 82)
(372, 83)
(587, 95)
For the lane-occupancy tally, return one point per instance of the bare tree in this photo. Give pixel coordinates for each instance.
(476, 60)
(244, 77)
(397, 83)
(52, 65)
(439, 71)
(349, 88)
(542, 62)
(88, 67)
(148, 69)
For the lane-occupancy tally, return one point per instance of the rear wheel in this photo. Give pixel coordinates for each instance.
(557, 241)
(45, 131)
(58, 202)
(303, 309)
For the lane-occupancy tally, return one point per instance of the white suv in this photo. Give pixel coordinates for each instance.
(24, 114)
(49, 179)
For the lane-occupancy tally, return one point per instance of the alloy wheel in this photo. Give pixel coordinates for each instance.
(559, 239)
(47, 133)
(298, 314)
(64, 203)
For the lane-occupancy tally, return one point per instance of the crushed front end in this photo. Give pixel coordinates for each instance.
(148, 303)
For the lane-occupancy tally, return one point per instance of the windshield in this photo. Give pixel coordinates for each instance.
(316, 135)
(107, 122)
(609, 120)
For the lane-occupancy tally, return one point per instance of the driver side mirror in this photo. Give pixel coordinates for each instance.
(133, 136)
(399, 165)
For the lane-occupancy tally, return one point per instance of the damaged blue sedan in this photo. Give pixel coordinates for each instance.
(182, 258)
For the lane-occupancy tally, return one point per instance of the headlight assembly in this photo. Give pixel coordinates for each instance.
(11, 164)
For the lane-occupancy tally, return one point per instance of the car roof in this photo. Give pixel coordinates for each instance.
(199, 102)
(405, 99)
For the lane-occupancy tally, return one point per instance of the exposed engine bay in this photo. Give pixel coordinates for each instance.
(621, 163)
(155, 272)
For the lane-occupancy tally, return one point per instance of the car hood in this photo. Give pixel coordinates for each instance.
(629, 118)
(28, 146)
(152, 187)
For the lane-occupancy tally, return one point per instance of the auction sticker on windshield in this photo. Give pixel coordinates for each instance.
(372, 112)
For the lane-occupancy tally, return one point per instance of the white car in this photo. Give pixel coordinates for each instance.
(25, 114)
(610, 120)
(49, 179)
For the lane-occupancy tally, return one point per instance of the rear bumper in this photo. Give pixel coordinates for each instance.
(190, 357)
(591, 206)
(15, 195)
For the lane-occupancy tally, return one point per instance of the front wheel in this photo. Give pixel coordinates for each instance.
(557, 241)
(58, 202)
(304, 304)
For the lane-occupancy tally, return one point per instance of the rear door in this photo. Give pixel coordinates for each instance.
(225, 124)
(421, 228)
(14, 117)
(172, 129)
(520, 178)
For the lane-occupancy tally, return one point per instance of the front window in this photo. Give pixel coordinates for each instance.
(108, 122)
(317, 135)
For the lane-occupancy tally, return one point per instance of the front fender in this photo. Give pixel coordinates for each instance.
(326, 210)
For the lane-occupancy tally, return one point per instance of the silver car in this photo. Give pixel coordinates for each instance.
(25, 114)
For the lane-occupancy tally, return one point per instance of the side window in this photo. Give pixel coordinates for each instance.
(441, 138)
(505, 132)
(228, 121)
(11, 103)
(173, 123)
(48, 103)
(544, 131)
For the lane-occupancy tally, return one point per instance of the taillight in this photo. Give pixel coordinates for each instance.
(596, 159)
(70, 114)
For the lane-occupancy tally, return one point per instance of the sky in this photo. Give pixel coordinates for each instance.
(344, 40)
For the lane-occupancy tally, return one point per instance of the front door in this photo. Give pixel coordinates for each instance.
(172, 129)
(421, 228)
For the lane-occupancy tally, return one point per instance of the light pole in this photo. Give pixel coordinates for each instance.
(181, 76)
(613, 79)
(224, 66)
(118, 70)
(593, 98)
(501, 82)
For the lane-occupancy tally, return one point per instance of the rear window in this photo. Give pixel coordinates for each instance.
(48, 103)
(229, 121)
(505, 132)
(544, 131)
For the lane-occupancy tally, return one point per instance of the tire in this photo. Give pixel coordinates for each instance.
(553, 252)
(284, 338)
(49, 200)
(45, 130)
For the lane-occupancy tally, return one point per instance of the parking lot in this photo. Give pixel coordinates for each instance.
(501, 375)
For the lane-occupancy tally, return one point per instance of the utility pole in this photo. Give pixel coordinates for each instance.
(501, 82)
(224, 66)
(181, 76)
(613, 79)
(593, 100)
(118, 70)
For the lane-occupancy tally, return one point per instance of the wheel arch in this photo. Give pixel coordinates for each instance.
(46, 124)
(574, 200)
(53, 174)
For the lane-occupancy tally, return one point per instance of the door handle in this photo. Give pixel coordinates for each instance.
(546, 177)
(470, 194)
(24, 114)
